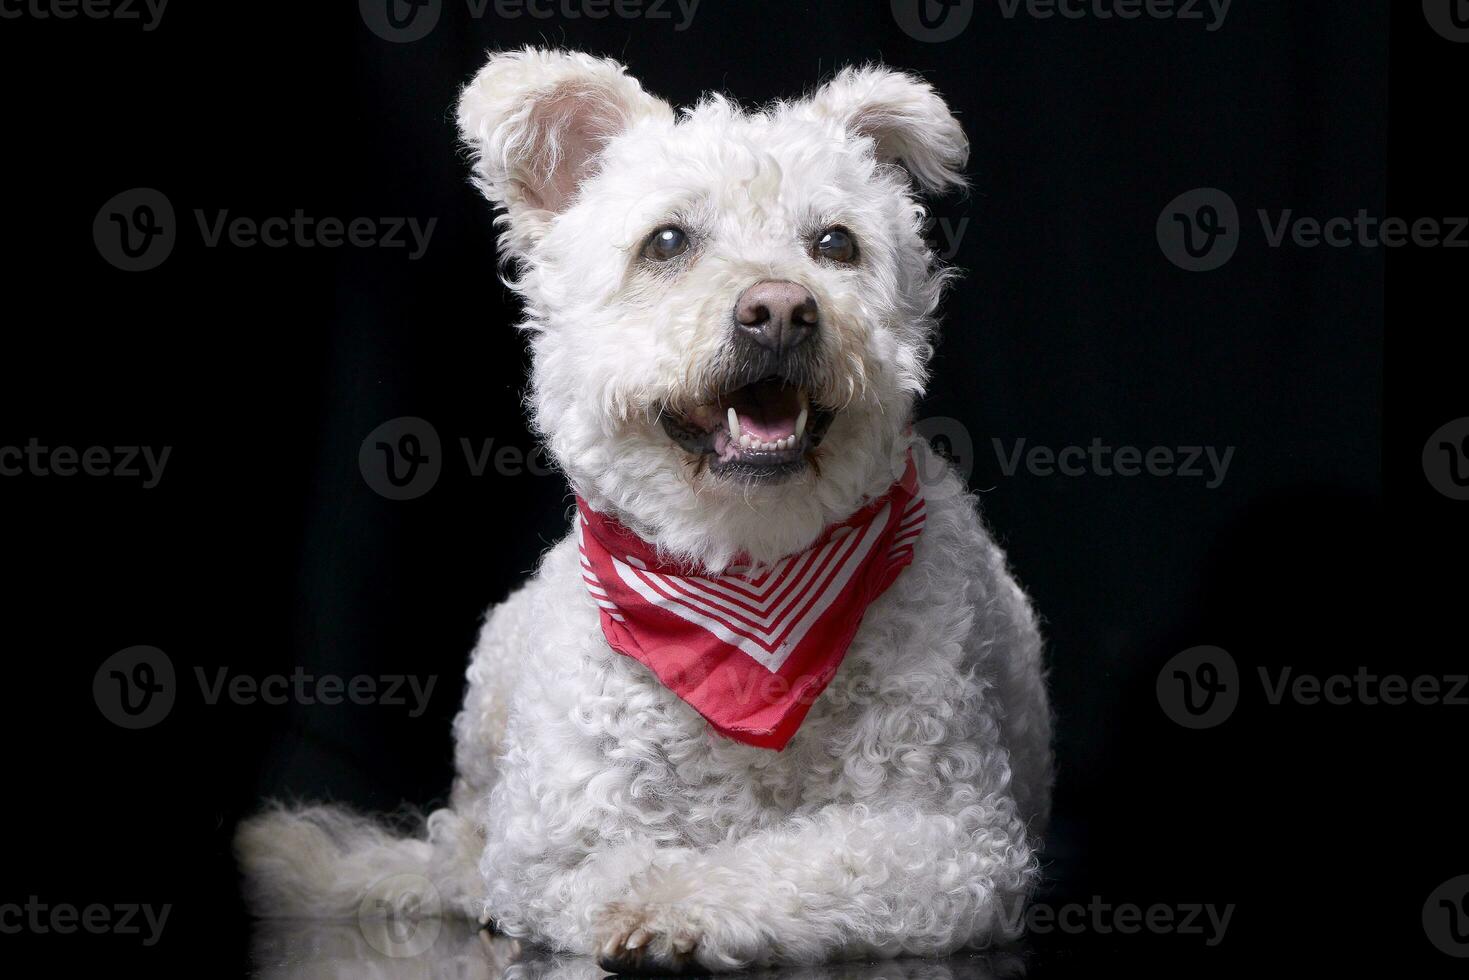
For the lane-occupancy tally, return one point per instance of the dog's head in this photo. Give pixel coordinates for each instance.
(731, 312)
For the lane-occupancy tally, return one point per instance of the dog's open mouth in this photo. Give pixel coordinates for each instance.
(764, 429)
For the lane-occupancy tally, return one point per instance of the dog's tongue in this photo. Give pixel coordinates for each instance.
(767, 409)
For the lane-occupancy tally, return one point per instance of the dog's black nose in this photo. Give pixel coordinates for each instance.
(777, 314)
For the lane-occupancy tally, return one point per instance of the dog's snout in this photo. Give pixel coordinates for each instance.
(777, 314)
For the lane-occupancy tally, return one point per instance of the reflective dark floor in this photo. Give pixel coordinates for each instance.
(454, 950)
(1305, 927)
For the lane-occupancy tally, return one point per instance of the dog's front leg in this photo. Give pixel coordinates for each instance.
(848, 881)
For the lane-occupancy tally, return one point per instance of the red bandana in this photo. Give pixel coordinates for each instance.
(750, 649)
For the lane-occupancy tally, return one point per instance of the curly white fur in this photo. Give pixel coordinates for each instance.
(904, 815)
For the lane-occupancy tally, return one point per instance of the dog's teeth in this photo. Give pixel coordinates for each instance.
(734, 425)
(801, 421)
(746, 441)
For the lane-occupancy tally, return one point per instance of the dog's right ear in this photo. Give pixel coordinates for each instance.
(536, 122)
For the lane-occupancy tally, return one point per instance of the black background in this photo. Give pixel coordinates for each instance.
(263, 549)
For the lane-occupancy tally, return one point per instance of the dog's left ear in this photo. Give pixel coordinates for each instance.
(907, 121)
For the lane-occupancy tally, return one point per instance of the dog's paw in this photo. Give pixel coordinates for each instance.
(651, 940)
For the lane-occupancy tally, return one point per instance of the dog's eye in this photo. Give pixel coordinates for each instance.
(666, 243)
(836, 244)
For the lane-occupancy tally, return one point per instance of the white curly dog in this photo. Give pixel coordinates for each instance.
(731, 314)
